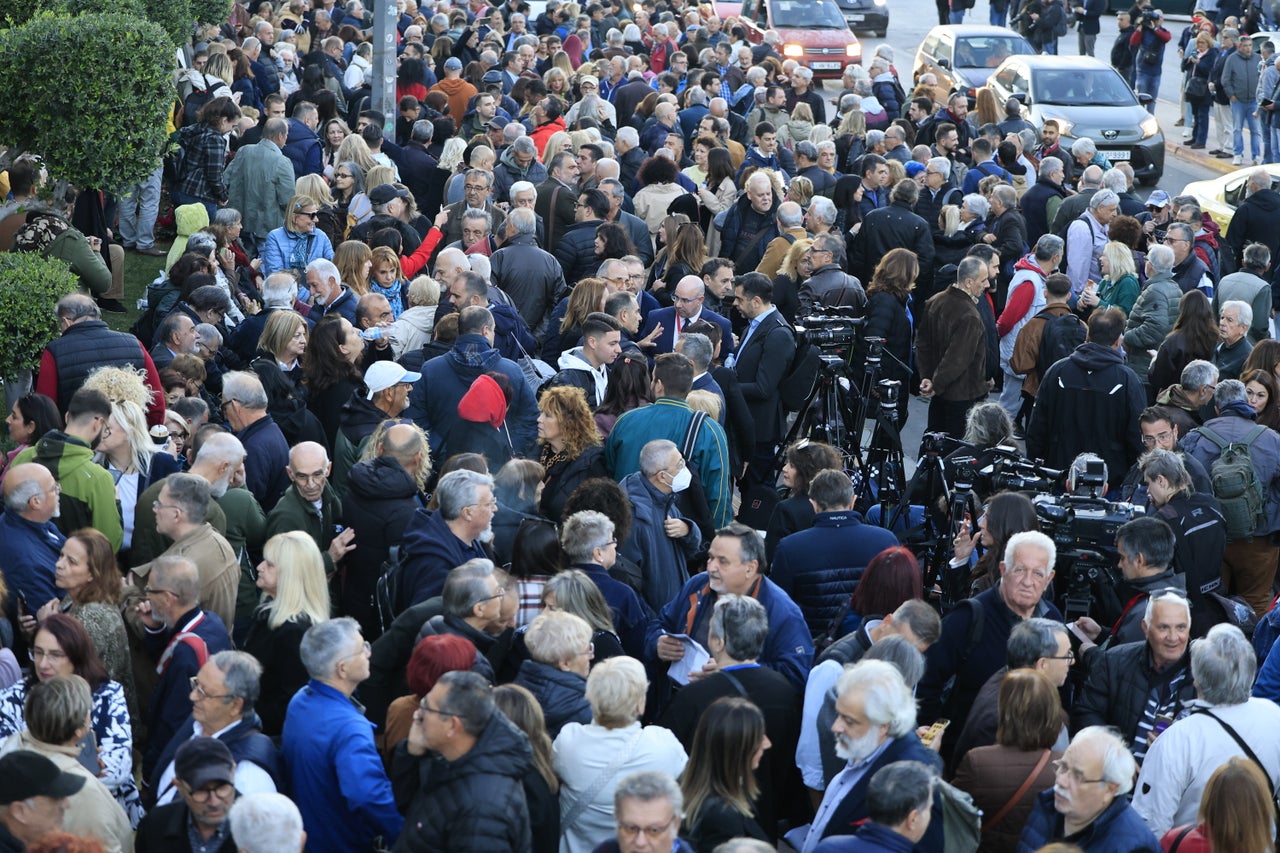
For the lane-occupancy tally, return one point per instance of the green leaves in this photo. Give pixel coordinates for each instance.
(30, 285)
(211, 11)
(99, 121)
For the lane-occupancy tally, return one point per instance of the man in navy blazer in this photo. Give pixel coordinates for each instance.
(761, 363)
(688, 297)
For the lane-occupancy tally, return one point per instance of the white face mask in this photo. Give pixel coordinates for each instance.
(681, 481)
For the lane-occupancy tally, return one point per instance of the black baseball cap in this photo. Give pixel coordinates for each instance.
(202, 760)
(383, 193)
(25, 774)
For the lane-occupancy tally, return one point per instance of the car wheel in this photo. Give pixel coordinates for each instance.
(1149, 180)
(878, 34)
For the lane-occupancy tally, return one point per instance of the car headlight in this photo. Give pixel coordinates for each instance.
(880, 2)
(1150, 127)
(853, 50)
(792, 50)
(1064, 126)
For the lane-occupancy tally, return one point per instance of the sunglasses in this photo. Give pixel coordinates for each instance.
(315, 214)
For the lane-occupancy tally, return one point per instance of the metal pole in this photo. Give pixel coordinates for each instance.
(385, 16)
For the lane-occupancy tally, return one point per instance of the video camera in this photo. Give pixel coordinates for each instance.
(1007, 471)
(1150, 17)
(833, 331)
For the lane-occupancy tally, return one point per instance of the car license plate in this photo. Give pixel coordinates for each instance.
(1113, 156)
(827, 66)
(857, 18)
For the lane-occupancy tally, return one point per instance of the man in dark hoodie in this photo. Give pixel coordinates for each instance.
(1090, 401)
(451, 376)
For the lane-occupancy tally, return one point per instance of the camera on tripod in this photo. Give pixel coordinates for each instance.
(1005, 470)
(833, 331)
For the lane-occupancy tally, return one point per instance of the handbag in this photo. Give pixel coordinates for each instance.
(1197, 89)
(536, 371)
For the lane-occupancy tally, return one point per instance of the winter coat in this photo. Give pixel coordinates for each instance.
(746, 232)
(951, 346)
(1119, 684)
(28, 552)
(260, 182)
(653, 201)
(563, 478)
(1240, 77)
(287, 250)
(304, 150)
(717, 822)
(562, 695)
(1039, 206)
(1254, 222)
(1154, 313)
(1088, 401)
(428, 552)
(451, 376)
(1118, 829)
(481, 424)
(381, 500)
(412, 329)
(506, 172)
(357, 421)
(820, 567)
(992, 775)
(893, 227)
(829, 285)
(88, 497)
(663, 561)
(531, 277)
(278, 650)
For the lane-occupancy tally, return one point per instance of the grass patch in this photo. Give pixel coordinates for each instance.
(139, 271)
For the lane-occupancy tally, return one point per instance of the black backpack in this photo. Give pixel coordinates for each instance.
(1058, 339)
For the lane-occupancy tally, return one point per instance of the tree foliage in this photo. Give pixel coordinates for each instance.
(175, 17)
(29, 284)
(103, 128)
(211, 11)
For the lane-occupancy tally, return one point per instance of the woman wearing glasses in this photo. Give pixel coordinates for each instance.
(62, 646)
(298, 242)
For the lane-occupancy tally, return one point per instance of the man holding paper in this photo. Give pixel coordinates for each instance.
(735, 565)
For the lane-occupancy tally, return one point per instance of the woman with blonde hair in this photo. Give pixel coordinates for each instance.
(331, 220)
(354, 261)
(587, 295)
(353, 149)
(1237, 813)
(558, 141)
(801, 189)
(360, 209)
(557, 83)
(1119, 286)
(798, 128)
(571, 448)
(793, 272)
(299, 241)
(332, 135)
(985, 109)
(281, 346)
(133, 460)
(295, 596)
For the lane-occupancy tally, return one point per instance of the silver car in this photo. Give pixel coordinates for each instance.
(1086, 97)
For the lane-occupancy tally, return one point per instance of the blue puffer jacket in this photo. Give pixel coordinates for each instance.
(303, 150)
(1119, 829)
(562, 695)
(820, 567)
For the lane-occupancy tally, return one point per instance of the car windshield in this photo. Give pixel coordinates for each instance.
(807, 15)
(988, 51)
(1101, 87)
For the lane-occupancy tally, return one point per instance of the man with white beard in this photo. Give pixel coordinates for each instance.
(874, 726)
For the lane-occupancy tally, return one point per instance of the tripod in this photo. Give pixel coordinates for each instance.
(828, 413)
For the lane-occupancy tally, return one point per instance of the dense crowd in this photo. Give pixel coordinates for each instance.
(432, 501)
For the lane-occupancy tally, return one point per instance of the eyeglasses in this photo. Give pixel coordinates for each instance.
(158, 505)
(499, 594)
(52, 655)
(222, 791)
(1075, 774)
(151, 590)
(205, 694)
(438, 712)
(1069, 657)
(1158, 438)
(653, 833)
(492, 504)
(315, 214)
(610, 543)
(474, 188)
(342, 174)
(589, 651)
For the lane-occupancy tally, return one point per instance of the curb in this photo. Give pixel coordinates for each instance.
(1177, 148)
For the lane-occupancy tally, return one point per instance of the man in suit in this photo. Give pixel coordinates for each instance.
(699, 349)
(761, 363)
(688, 297)
(176, 335)
(558, 198)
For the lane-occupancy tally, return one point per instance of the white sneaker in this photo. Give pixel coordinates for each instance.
(1237, 160)
(1187, 134)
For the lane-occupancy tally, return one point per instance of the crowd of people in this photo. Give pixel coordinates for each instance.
(435, 488)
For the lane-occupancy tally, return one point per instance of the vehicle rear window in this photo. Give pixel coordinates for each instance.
(1100, 87)
(807, 14)
(988, 51)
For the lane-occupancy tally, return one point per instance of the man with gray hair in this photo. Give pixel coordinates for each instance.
(436, 542)
(335, 773)
(1235, 317)
(662, 537)
(181, 512)
(874, 727)
(30, 543)
(1088, 802)
(895, 144)
(260, 182)
(1040, 203)
(1248, 285)
(1027, 297)
(472, 601)
(824, 183)
(1153, 314)
(417, 167)
(1086, 238)
(328, 294)
(899, 806)
(1248, 565)
(266, 823)
(649, 801)
(244, 405)
(532, 277)
(790, 227)
(1255, 217)
(951, 349)
(279, 293)
(1090, 182)
(179, 636)
(224, 705)
(1226, 718)
(820, 218)
(519, 162)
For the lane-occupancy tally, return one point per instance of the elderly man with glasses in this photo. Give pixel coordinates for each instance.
(206, 782)
(312, 505)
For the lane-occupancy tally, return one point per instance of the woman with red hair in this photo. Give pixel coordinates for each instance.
(432, 658)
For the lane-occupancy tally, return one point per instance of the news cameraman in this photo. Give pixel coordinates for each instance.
(1148, 42)
(1146, 547)
(1198, 528)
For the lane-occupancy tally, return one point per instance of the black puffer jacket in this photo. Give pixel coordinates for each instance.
(474, 804)
(381, 498)
(562, 695)
(1120, 682)
(576, 251)
(530, 276)
(894, 227)
(563, 478)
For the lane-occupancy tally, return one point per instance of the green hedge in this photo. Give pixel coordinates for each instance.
(102, 130)
(30, 285)
(211, 11)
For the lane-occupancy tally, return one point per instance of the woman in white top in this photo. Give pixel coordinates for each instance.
(591, 759)
(127, 451)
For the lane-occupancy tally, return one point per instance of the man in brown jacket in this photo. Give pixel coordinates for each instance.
(1026, 349)
(951, 349)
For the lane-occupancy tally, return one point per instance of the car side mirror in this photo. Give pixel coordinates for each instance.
(944, 63)
(1144, 98)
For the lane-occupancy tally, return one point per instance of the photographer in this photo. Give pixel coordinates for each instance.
(1148, 42)
(1198, 528)
(1146, 547)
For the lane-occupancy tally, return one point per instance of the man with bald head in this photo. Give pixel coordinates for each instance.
(382, 494)
(311, 505)
(29, 540)
(688, 296)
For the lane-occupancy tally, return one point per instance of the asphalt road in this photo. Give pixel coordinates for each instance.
(911, 20)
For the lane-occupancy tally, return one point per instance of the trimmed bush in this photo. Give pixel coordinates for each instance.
(211, 11)
(30, 285)
(102, 130)
(175, 17)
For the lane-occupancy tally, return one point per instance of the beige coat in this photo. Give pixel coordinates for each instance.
(93, 812)
(219, 569)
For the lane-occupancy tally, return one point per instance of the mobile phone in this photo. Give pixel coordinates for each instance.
(1162, 722)
(88, 756)
(934, 731)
